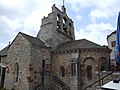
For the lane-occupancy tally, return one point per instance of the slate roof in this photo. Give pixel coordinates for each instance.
(81, 44)
(3, 52)
(31, 39)
(34, 40)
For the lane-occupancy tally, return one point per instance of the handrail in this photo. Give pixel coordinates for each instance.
(101, 79)
(61, 82)
(57, 78)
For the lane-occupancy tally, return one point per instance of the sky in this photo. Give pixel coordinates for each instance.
(93, 19)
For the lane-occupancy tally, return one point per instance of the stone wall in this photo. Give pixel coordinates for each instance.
(19, 53)
(49, 31)
(36, 67)
(92, 58)
(64, 60)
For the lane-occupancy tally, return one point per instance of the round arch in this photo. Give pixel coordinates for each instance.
(58, 21)
(89, 64)
(58, 17)
(64, 24)
(103, 64)
(89, 60)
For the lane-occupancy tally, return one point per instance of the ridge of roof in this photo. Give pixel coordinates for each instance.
(33, 40)
(82, 43)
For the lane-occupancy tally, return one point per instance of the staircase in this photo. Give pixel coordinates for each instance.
(55, 82)
(58, 84)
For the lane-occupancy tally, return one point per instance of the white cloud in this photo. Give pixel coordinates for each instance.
(94, 3)
(99, 8)
(97, 13)
(78, 17)
(7, 26)
(33, 22)
(95, 32)
(26, 15)
(3, 45)
(21, 15)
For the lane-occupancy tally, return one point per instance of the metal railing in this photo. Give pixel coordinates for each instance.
(101, 79)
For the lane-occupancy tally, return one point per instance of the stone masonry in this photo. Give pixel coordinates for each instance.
(53, 60)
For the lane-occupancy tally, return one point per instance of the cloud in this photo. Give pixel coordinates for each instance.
(98, 14)
(8, 27)
(26, 15)
(78, 17)
(98, 8)
(94, 3)
(95, 32)
(21, 16)
(33, 22)
(99, 22)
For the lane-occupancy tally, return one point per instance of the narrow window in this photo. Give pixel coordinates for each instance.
(16, 72)
(89, 72)
(70, 29)
(73, 68)
(64, 25)
(103, 66)
(43, 64)
(58, 22)
(43, 70)
(62, 71)
(113, 43)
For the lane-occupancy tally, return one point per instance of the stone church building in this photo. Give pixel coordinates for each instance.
(53, 60)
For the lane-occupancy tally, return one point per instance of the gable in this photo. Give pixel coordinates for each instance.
(19, 42)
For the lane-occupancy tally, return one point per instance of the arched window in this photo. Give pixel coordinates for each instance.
(58, 21)
(73, 68)
(89, 72)
(103, 64)
(16, 72)
(62, 71)
(64, 25)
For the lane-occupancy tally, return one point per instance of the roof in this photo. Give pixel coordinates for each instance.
(3, 52)
(81, 44)
(34, 40)
(31, 39)
(111, 34)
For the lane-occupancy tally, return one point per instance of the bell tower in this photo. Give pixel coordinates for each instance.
(56, 28)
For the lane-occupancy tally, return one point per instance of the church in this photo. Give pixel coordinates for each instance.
(53, 60)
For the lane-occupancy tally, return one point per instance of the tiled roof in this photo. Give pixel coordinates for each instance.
(81, 44)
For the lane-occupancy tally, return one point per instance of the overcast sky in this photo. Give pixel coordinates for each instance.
(93, 19)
